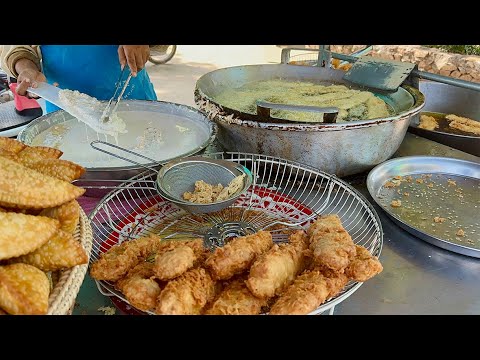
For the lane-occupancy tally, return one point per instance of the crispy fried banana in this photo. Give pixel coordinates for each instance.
(21, 187)
(238, 255)
(22, 234)
(139, 287)
(236, 299)
(172, 263)
(67, 214)
(11, 145)
(308, 292)
(58, 168)
(278, 267)
(119, 259)
(330, 243)
(364, 266)
(24, 290)
(62, 251)
(187, 294)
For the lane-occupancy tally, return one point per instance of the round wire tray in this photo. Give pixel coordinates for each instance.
(284, 195)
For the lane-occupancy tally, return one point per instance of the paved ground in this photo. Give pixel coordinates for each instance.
(175, 81)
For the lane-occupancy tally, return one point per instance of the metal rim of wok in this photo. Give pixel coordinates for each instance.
(247, 119)
(25, 133)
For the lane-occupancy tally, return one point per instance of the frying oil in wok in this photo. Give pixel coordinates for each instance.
(156, 135)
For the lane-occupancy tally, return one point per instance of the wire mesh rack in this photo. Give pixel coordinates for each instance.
(284, 195)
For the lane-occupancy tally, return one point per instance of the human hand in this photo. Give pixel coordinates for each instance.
(29, 78)
(135, 56)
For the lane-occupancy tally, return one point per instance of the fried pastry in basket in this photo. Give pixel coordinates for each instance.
(35, 153)
(187, 294)
(58, 168)
(24, 290)
(330, 243)
(364, 266)
(236, 299)
(22, 233)
(11, 145)
(62, 251)
(278, 267)
(172, 263)
(139, 287)
(21, 187)
(308, 292)
(67, 214)
(238, 255)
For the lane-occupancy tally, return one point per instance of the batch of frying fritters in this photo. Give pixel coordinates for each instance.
(249, 275)
(38, 217)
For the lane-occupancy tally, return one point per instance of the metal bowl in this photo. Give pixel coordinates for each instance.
(179, 176)
(125, 172)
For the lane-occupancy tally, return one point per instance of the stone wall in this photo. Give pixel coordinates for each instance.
(465, 67)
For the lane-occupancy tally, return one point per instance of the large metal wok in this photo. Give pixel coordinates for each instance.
(339, 148)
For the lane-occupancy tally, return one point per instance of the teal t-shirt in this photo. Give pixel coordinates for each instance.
(93, 70)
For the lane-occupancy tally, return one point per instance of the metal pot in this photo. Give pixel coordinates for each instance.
(125, 172)
(337, 148)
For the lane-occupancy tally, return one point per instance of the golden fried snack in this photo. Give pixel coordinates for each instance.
(278, 267)
(58, 168)
(22, 187)
(3, 312)
(139, 287)
(172, 263)
(238, 255)
(11, 145)
(308, 292)
(187, 294)
(331, 245)
(62, 251)
(67, 214)
(21, 234)
(119, 259)
(428, 123)
(236, 299)
(24, 290)
(8, 154)
(364, 266)
(32, 154)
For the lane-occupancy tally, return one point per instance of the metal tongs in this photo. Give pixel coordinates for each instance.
(108, 111)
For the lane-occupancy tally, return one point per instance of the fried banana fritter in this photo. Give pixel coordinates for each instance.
(172, 263)
(139, 287)
(236, 299)
(428, 123)
(238, 255)
(21, 187)
(330, 243)
(67, 214)
(62, 251)
(278, 267)
(364, 266)
(118, 260)
(308, 292)
(187, 294)
(22, 234)
(24, 290)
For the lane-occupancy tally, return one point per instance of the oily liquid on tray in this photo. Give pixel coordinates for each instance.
(155, 135)
(443, 125)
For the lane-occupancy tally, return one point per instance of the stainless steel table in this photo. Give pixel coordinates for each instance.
(418, 278)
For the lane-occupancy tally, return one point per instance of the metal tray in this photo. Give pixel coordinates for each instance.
(439, 187)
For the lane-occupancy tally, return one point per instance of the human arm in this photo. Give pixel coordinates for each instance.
(135, 56)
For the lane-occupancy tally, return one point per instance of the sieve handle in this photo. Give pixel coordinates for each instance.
(93, 143)
(264, 107)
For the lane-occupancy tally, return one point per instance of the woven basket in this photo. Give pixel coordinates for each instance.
(65, 290)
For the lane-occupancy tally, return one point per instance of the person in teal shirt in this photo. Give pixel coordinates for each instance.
(90, 69)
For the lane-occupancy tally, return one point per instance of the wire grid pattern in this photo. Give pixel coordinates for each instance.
(283, 194)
